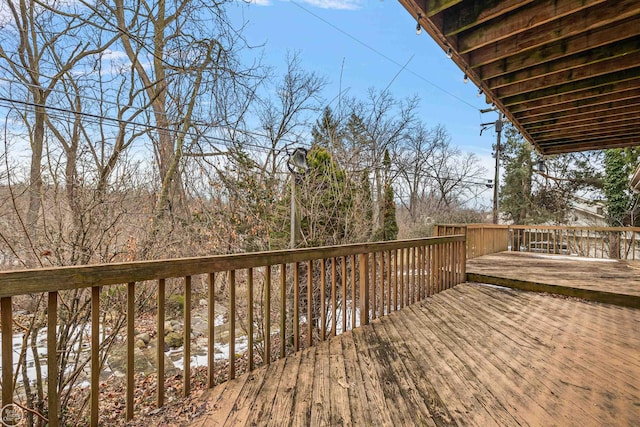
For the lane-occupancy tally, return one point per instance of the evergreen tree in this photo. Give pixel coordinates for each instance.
(389, 230)
(389, 224)
(516, 192)
(621, 203)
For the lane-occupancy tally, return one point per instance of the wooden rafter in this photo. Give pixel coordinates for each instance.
(565, 72)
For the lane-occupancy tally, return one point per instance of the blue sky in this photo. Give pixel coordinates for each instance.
(387, 27)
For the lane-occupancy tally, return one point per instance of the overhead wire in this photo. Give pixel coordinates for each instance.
(381, 54)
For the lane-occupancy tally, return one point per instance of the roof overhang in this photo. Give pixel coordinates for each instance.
(565, 72)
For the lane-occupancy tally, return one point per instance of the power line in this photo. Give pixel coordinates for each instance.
(377, 52)
(100, 119)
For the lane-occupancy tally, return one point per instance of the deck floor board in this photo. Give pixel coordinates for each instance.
(471, 355)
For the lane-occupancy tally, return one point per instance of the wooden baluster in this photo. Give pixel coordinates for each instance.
(448, 259)
(353, 292)
(95, 356)
(414, 274)
(388, 282)
(283, 309)
(364, 289)
(131, 315)
(344, 293)
(395, 279)
(232, 324)
(187, 337)
(250, 316)
(429, 271)
(267, 314)
(421, 289)
(160, 344)
(323, 299)
(402, 278)
(381, 298)
(334, 279)
(211, 319)
(463, 262)
(7, 350)
(310, 303)
(374, 277)
(52, 358)
(296, 306)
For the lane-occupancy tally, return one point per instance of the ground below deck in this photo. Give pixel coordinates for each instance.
(472, 355)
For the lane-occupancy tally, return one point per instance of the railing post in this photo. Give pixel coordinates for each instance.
(364, 289)
(95, 356)
(7, 351)
(52, 359)
(131, 315)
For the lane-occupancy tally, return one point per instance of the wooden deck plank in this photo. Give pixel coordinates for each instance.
(359, 397)
(285, 393)
(405, 368)
(471, 355)
(572, 367)
(468, 399)
(248, 395)
(377, 353)
(591, 333)
(301, 414)
(220, 400)
(374, 393)
(263, 406)
(322, 388)
(604, 280)
(516, 379)
(340, 408)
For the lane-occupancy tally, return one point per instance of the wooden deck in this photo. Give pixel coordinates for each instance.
(472, 355)
(603, 280)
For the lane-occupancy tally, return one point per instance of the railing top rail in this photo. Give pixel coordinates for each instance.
(563, 227)
(474, 225)
(542, 227)
(22, 282)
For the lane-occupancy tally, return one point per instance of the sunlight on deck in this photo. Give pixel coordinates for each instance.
(472, 355)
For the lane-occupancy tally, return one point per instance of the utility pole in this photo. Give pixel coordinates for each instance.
(496, 179)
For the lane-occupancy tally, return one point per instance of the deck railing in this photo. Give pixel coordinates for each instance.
(306, 296)
(482, 239)
(591, 242)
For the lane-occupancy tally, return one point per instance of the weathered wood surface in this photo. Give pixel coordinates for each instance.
(471, 355)
(619, 277)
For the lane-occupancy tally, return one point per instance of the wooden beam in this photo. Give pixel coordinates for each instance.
(592, 40)
(599, 70)
(609, 58)
(592, 131)
(471, 14)
(605, 81)
(544, 15)
(596, 102)
(610, 125)
(575, 115)
(574, 95)
(590, 19)
(568, 146)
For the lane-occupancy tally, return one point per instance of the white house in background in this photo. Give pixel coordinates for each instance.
(584, 212)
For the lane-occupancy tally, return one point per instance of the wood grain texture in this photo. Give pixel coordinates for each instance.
(471, 355)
